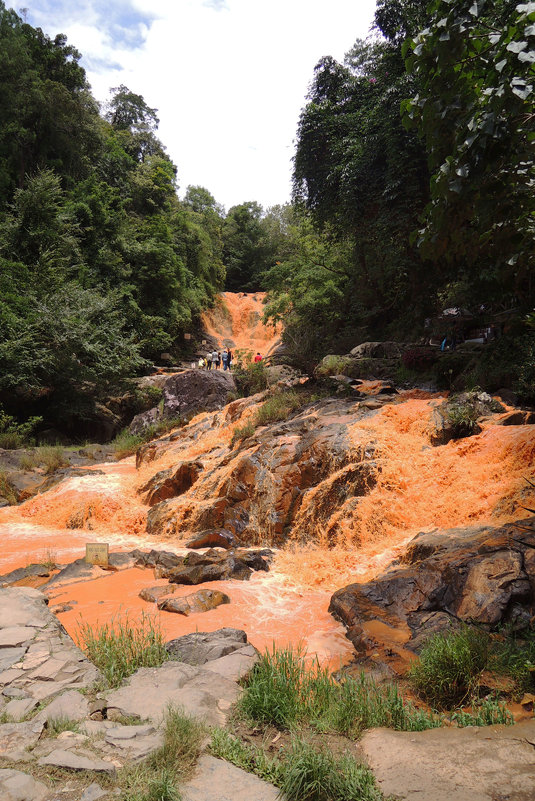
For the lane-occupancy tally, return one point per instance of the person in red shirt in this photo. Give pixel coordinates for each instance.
(257, 358)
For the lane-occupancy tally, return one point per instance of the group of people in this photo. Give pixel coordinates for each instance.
(215, 359)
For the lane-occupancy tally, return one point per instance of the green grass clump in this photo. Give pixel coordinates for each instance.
(120, 647)
(311, 775)
(334, 365)
(126, 443)
(242, 432)
(284, 690)
(449, 667)
(158, 777)
(278, 407)
(52, 457)
(246, 756)
(488, 712)
(302, 773)
(514, 656)
(6, 489)
(56, 726)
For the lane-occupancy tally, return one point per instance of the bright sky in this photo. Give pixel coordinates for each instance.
(228, 77)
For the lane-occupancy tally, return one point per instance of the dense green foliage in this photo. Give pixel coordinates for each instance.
(101, 266)
(413, 180)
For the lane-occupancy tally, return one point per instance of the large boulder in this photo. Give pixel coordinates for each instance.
(458, 416)
(480, 575)
(186, 394)
(200, 601)
(377, 350)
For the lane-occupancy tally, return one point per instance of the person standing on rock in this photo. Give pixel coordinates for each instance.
(214, 360)
(257, 358)
(229, 359)
(224, 359)
(209, 361)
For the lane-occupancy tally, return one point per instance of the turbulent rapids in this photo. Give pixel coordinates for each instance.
(339, 488)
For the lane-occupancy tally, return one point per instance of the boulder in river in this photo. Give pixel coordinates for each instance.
(200, 601)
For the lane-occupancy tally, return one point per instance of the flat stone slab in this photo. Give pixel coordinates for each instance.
(197, 691)
(75, 761)
(15, 738)
(216, 780)
(71, 705)
(19, 708)
(18, 786)
(14, 636)
(22, 606)
(484, 763)
(135, 742)
(236, 665)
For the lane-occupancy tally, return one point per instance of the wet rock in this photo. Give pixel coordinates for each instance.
(153, 594)
(171, 483)
(154, 558)
(200, 601)
(517, 418)
(201, 647)
(186, 394)
(212, 566)
(478, 574)
(213, 538)
(30, 571)
(216, 780)
(18, 786)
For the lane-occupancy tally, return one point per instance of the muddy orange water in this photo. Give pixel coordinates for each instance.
(236, 321)
(476, 480)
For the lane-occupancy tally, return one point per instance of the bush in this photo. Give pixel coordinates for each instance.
(334, 365)
(7, 490)
(120, 647)
(15, 435)
(52, 457)
(449, 667)
(278, 407)
(242, 432)
(448, 368)
(514, 656)
(250, 379)
(145, 398)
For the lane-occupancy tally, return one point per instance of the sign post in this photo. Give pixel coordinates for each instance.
(97, 553)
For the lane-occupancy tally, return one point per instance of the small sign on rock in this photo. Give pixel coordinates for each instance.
(96, 553)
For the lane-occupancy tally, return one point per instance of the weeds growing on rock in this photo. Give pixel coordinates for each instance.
(56, 726)
(157, 778)
(52, 457)
(120, 647)
(278, 407)
(246, 756)
(488, 712)
(6, 489)
(283, 689)
(449, 667)
(242, 432)
(126, 443)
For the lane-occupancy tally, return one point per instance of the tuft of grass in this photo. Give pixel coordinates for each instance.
(56, 726)
(449, 667)
(6, 489)
(302, 773)
(52, 457)
(125, 443)
(488, 712)
(242, 432)
(284, 690)
(29, 461)
(120, 647)
(311, 775)
(278, 407)
(514, 656)
(335, 365)
(11, 440)
(158, 777)
(246, 756)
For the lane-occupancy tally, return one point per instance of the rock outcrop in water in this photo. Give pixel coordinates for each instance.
(477, 575)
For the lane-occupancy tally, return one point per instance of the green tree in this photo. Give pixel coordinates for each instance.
(474, 68)
(244, 252)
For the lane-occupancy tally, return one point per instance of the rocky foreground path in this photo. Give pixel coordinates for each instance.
(46, 679)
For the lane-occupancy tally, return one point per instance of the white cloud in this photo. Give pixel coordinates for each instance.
(229, 77)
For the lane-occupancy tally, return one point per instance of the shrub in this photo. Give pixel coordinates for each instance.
(449, 667)
(418, 359)
(462, 415)
(242, 432)
(278, 407)
(250, 379)
(514, 656)
(145, 398)
(52, 457)
(14, 435)
(120, 647)
(334, 365)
